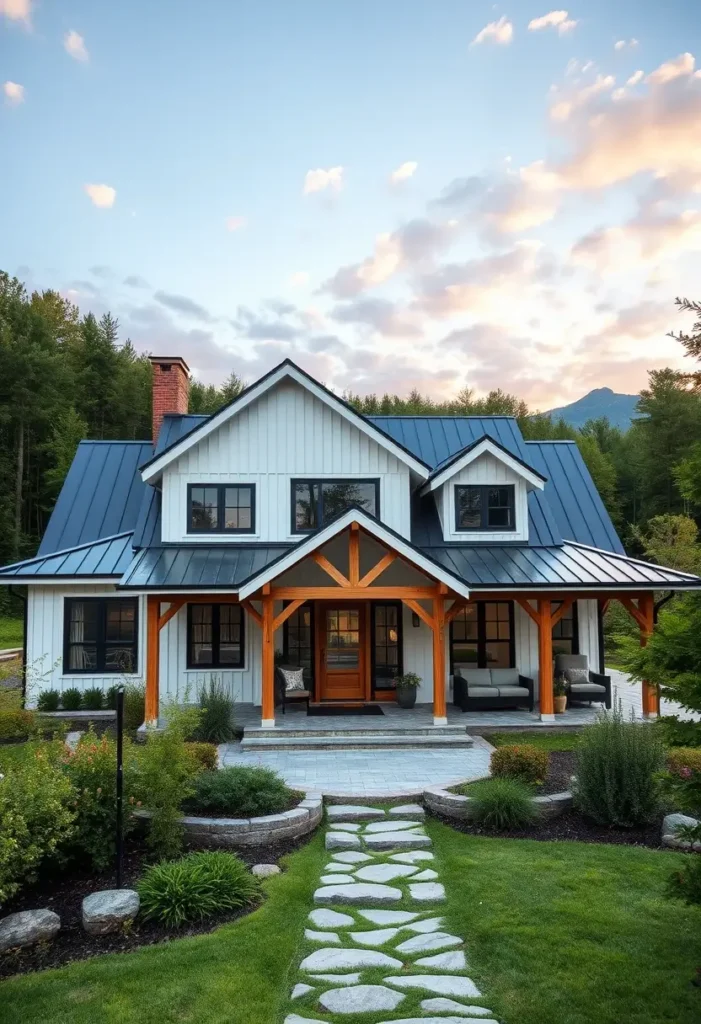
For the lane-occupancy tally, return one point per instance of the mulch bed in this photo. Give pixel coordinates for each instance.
(561, 765)
(63, 892)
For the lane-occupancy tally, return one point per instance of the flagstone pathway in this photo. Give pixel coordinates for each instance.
(375, 941)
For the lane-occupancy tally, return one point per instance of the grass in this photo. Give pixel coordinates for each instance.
(11, 632)
(543, 739)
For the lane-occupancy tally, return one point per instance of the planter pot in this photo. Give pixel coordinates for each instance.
(406, 696)
(560, 704)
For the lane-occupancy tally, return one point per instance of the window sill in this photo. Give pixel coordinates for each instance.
(208, 668)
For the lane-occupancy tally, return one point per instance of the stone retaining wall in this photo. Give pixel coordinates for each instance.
(453, 805)
(237, 832)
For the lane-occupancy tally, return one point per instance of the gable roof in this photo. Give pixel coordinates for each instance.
(483, 445)
(152, 469)
(101, 495)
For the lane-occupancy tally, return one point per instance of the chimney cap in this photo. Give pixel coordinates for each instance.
(169, 361)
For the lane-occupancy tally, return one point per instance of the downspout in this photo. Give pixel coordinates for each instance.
(661, 603)
(23, 598)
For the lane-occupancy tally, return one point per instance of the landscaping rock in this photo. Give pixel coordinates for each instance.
(360, 999)
(327, 937)
(330, 919)
(335, 959)
(384, 872)
(425, 943)
(342, 869)
(374, 936)
(670, 826)
(336, 879)
(426, 876)
(441, 984)
(337, 979)
(265, 870)
(107, 911)
(412, 856)
(427, 892)
(390, 826)
(341, 841)
(452, 961)
(352, 857)
(359, 892)
(442, 1005)
(300, 990)
(353, 812)
(346, 827)
(395, 840)
(429, 924)
(388, 916)
(414, 811)
(27, 927)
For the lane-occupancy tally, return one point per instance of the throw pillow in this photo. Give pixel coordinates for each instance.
(294, 678)
(576, 675)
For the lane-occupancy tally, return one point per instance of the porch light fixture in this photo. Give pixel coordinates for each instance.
(415, 620)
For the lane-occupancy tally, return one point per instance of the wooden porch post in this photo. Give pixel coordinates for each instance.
(268, 665)
(153, 607)
(651, 697)
(439, 679)
(545, 660)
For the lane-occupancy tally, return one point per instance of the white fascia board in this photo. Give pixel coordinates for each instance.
(376, 530)
(155, 469)
(485, 446)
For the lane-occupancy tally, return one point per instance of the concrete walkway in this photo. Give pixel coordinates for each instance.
(375, 943)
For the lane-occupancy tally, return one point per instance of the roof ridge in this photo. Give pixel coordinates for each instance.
(434, 416)
(117, 440)
(553, 440)
(67, 551)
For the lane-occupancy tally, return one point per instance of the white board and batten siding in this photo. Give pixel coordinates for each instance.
(490, 471)
(286, 434)
(526, 638)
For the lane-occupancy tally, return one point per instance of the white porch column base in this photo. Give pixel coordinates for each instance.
(267, 723)
(547, 718)
(440, 721)
(650, 716)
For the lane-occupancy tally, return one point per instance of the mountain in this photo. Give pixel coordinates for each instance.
(619, 409)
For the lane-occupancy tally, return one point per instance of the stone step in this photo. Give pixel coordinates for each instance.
(357, 741)
(337, 729)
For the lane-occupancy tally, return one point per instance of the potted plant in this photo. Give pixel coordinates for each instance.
(560, 695)
(406, 686)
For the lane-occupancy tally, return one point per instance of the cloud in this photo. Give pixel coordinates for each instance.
(255, 327)
(101, 195)
(500, 32)
(103, 271)
(555, 19)
(649, 238)
(403, 172)
(623, 44)
(636, 78)
(298, 279)
(17, 10)
(235, 223)
(563, 107)
(74, 45)
(671, 69)
(182, 304)
(320, 179)
(381, 315)
(135, 281)
(14, 93)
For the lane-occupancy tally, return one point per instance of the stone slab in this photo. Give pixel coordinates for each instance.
(388, 826)
(352, 857)
(395, 841)
(428, 875)
(339, 868)
(336, 879)
(441, 984)
(426, 943)
(427, 892)
(337, 979)
(414, 811)
(353, 812)
(315, 936)
(443, 1005)
(341, 841)
(454, 960)
(338, 959)
(388, 916)
(374, 936)
(411, 856)
(300, 990)
(346, 827)
(330, 919)
(423, 1020)
(359, 892)
(384, 872)
(428, 924)
(360, 999)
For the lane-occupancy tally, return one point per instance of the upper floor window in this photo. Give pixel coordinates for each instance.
(316, 502)
(221, 508)
(485, 508)
(100, 634)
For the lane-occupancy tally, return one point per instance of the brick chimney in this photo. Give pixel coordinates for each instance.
(171, 388)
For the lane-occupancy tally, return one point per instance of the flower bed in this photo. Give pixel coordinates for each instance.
(456, 805)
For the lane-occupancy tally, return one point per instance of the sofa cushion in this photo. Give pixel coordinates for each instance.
(513, 691)
(504, 677)
(476, 676)
(587, 688)
(482, 691)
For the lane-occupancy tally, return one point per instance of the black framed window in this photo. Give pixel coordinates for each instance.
(298, 642)
(221, 508)
(482, 636)
(566, 631)
(386, 649)
(215, 636)
(100, 634)
(316, 502)
(485, 508)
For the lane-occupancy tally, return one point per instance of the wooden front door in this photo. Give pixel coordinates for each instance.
(342, 658)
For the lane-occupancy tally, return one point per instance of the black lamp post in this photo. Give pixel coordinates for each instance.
(120, 784)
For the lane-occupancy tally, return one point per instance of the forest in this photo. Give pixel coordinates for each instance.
(65, 376)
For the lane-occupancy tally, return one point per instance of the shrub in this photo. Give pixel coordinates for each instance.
(16, 724)
(205, 753)
(166, 773)
(71, 699)
(681, 760)
(134, 707)
(216, 714)
(503, 804)
(92, 771)
(111, 698)
(196, 887)
(616, 775)
(241, 792)
(93, 699)
(520, 761)
(48, 700)
(685, 883)
(36, 818)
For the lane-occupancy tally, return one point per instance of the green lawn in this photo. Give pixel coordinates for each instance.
(556, 933)
(565, 739)
(11, 632)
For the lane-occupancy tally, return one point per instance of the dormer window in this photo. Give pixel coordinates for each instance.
(485, 508)
(221, 508)
(317, 502)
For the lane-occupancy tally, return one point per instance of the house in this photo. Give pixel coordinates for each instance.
(357, 547)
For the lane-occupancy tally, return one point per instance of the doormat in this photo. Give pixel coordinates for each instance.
(339, 709)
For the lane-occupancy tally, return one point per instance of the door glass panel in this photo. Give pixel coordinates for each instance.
(343, 638)
(386, 642)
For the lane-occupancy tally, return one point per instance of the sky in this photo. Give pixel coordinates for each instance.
(394, 195)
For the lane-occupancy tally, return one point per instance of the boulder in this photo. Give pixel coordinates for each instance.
(27, 927)
(265, 870)
(107, 911)
(670, 827)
